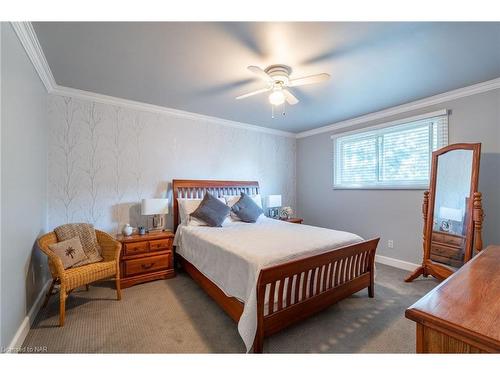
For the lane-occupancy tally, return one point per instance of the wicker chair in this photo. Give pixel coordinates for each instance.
(72, 278)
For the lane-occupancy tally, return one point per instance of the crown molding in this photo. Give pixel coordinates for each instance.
(140, 106)
(29, 40)
(418, 104)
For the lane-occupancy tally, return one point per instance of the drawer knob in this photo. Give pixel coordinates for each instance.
(147, 266)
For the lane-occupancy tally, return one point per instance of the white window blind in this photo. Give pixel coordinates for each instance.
(390, 156)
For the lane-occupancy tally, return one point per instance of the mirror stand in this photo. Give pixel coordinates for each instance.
(439, 271)
(477, 218)
(452, 211)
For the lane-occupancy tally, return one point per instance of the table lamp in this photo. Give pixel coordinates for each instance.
(158, 207)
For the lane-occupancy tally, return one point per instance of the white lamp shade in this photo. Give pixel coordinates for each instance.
(448, 213)
(273, 201)
(154, 206)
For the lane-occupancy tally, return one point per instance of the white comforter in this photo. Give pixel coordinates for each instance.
(233, 255)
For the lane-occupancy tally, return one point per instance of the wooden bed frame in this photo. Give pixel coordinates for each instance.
(305, 286)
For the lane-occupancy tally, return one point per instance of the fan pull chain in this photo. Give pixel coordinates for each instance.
(283, 112)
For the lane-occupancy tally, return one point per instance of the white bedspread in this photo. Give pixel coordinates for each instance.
(232, 256)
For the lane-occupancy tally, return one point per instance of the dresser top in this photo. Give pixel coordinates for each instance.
(145, 237)
(468, 302)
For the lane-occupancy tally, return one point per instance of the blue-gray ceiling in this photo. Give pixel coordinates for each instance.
(201, 67)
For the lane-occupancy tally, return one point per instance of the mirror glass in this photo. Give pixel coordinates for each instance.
(453, 185)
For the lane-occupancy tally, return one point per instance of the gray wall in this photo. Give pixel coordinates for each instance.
(396, 214)
(23, 183)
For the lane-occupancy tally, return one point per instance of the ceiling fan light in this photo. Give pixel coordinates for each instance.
(277, 97)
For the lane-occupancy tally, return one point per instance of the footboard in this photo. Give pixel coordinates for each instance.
(291, 291)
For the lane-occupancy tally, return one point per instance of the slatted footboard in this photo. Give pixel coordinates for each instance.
(290, 292)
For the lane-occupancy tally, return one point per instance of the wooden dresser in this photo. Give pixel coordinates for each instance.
(447, 248)
(462, 314)
(146, 257)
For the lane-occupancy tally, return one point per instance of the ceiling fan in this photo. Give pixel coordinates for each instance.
(277, 78)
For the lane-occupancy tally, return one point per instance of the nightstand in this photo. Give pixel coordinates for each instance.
(296, 220)
(146, 257)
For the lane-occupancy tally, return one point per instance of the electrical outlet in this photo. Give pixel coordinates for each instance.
(390, 244)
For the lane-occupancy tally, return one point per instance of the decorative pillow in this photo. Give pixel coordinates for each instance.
(70, 251)
(246, 209)
(88, 238)
(187, 207)
(211, 210)
(232, 199)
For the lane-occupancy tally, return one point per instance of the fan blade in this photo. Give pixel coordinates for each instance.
(252, 93)
(309, 79)
(261, 73)
(290, 98)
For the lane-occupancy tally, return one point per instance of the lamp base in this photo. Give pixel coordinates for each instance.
(158, 224)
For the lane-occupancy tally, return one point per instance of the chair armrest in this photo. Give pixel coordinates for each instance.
(110, 248)
(58, 265)
(43, 243)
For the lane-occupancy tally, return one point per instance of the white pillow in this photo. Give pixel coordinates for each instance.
(232, 199)
(188, 206)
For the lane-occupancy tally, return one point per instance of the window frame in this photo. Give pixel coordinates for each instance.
(407, 185)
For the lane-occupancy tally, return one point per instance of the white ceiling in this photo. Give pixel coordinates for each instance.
(201, 67)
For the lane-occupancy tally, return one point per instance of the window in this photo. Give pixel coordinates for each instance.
(396, 155)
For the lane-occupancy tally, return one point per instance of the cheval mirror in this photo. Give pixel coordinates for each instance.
(452, 211)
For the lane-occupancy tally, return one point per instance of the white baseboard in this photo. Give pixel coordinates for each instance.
(401, 264)
(22, 331)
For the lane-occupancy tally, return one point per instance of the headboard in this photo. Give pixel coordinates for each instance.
(197, 188)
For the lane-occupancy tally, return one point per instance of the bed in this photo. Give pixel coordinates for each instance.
(270, 274)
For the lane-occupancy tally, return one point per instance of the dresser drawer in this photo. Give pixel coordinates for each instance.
(448, 261)
(447, 239)
(148, 264)
(447, 251)
(157, 245)
(136, 247)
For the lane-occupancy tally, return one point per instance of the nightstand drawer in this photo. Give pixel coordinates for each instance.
(148, 264)
(146, 257)
(156, 245)
(447, 251)
(136, 247)
(448, 239)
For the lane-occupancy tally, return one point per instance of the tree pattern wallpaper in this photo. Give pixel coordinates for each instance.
(104, 159)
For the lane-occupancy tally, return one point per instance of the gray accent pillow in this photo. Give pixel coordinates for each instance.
(211, 210)
(246, 209)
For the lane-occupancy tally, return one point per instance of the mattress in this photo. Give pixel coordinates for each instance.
(233, 255)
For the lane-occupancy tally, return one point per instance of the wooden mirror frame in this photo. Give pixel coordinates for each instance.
(474, 216)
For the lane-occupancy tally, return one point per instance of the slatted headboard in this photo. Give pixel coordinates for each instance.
(194, 189)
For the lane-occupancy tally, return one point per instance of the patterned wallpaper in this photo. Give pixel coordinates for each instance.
(104, 159)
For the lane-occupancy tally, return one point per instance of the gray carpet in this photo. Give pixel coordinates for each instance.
(176, 316)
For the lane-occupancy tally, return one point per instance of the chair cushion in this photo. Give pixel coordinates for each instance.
(70, 251)
(78, 276)
(88, 239)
